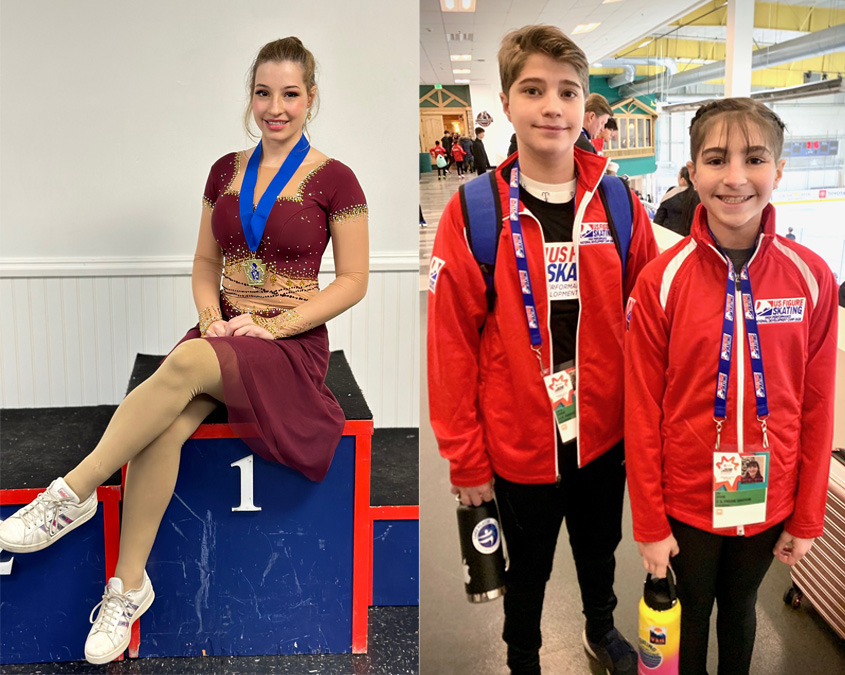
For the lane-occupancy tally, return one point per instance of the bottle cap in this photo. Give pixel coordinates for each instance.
(659, 594)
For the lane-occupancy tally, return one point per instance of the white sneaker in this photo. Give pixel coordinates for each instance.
(112, 629)
(50, 516)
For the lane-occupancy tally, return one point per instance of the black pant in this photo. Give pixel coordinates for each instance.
(590, 499)
(460, 165)
(728, 570)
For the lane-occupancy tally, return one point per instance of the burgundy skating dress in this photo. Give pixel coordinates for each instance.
(275, 390)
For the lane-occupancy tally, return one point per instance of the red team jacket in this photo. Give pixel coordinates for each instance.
(488, 403)
(672, 352)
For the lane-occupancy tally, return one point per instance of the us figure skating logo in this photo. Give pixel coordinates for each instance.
(532, 317)
(518, 248)
(780, 310)
(759, 387)
(434, 272)
(747, 307)
(754, 346)
(485, 536)
(729, 308)
(722, 388)
(595, 233)
(524, 282)
(726, 347)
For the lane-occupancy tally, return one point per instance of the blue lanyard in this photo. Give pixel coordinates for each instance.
(726, 351)
(522, 262)
(253, 223)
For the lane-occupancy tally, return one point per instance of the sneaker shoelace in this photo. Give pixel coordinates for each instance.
(114, 606)
(44, 510)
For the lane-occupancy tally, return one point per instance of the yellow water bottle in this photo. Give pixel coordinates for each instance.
(660, 626)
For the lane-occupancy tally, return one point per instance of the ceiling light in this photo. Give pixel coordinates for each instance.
(585, 27)
(457, 5)
(607, 2)
(597, 65)
(461, 57)
(644, 44)
(461, 81)
(461, 71)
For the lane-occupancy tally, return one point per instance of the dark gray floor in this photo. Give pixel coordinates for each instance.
(392, 651)
(457, 637)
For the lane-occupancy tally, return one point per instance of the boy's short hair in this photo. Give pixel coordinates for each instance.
(479, 130)
(611, 124)
(596, 103)
(518, 45)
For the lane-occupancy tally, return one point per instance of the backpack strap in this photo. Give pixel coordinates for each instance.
(616, 199)
(482, 211)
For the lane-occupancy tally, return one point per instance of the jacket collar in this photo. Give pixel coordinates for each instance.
(589, 169)
(700, 229)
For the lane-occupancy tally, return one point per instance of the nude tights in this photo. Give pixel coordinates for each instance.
(148, 430)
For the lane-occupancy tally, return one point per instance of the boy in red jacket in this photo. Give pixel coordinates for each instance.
(490, 371)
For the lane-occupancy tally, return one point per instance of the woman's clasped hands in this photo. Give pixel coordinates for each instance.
(239, 325)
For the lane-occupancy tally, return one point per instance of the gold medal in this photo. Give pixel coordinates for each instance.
(255, 270)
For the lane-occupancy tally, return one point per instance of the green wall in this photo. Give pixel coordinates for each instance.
(459, 90)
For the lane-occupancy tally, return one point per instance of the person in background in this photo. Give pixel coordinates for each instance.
(607, 134)
(458, 155)
(596, 113)
(677, 207)
(438, 154)
(789, 234)
(469, 160)
(512, 148)
(446, 142)
(479, 152)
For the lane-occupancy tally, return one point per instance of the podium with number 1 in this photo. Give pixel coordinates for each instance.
(253, 558)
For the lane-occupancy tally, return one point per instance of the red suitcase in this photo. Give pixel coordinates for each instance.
(820, 576)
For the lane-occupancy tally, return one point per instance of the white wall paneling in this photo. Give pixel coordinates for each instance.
(74, 338)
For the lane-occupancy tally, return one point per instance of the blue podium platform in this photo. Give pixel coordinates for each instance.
(272, 581)
(42, 616)
(396, 562)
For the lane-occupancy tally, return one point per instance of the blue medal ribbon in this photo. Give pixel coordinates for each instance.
(726, 349)
(253, 223)
(522, 262)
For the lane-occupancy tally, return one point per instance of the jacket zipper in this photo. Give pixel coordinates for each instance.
(739, 313)
(576, 232)
(740, 530)
(740, 367)
(576, 236)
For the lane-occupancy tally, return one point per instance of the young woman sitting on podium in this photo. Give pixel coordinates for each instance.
(260, 347)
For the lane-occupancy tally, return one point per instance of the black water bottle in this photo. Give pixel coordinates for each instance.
(481, 551)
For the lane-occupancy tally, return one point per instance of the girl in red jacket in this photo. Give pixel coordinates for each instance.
(458, 155)
(730, 359)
